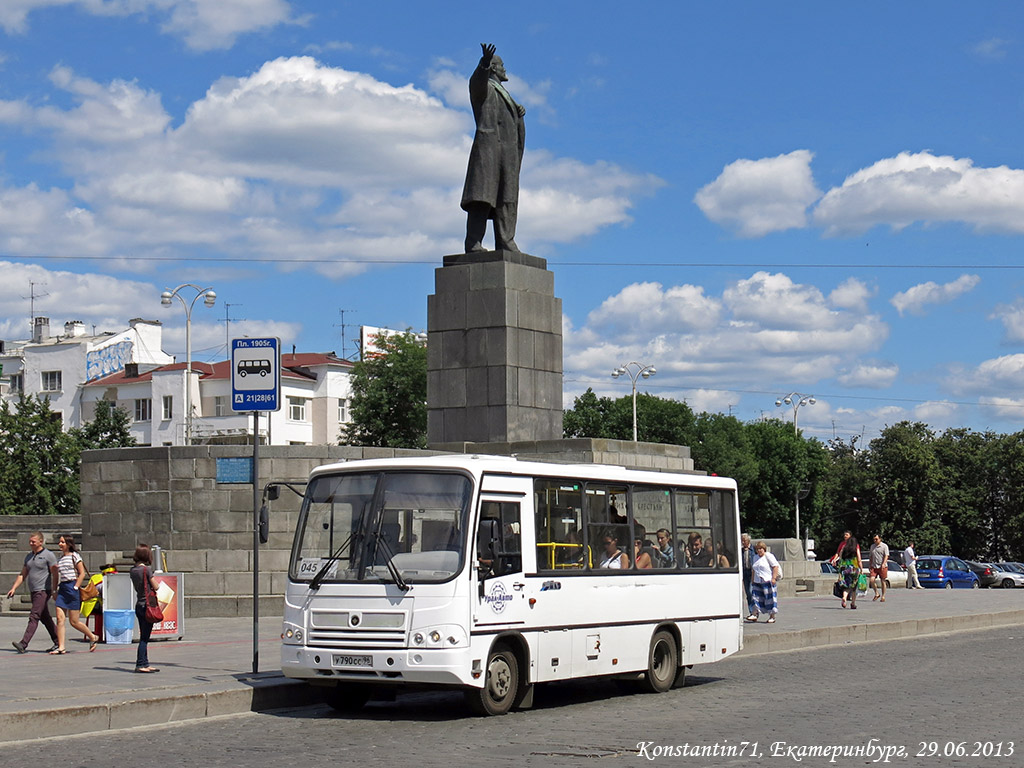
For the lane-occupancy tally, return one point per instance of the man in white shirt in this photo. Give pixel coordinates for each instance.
(910, 563)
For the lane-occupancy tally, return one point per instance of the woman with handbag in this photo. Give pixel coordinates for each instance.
(146, 609)
(849, 571)
(70, 573)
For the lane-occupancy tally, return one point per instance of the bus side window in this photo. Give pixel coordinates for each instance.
(498, 539)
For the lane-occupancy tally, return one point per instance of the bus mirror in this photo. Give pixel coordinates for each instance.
(264, 524)
(272, 492)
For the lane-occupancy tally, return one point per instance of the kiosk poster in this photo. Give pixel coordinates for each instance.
(171, 600)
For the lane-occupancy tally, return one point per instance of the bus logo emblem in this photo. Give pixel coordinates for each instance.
(498, 597)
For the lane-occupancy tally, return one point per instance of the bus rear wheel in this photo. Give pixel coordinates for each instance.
(348, 697)
(662, 663)
(500, 686)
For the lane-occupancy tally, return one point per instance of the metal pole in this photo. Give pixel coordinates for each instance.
(255, 542)
(188, 375)
(796, 431)
(634, 409)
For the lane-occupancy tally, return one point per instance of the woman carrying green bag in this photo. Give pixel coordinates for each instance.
(850, 571)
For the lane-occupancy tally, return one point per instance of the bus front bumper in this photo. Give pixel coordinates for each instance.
(433, 666)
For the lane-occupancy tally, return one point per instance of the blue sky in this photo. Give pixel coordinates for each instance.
(756, 198)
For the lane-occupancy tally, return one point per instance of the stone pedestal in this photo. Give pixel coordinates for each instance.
(494, 358)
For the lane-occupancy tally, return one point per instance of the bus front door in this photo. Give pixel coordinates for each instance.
(501, 599)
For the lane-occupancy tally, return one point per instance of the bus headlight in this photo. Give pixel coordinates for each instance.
(444, 636)
(292, 634)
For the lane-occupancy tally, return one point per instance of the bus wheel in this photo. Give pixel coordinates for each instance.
(662, 663)
(499, 691)
(680, 680)
(348, 697)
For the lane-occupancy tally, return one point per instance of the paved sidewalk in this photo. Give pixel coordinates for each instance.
(209, 672)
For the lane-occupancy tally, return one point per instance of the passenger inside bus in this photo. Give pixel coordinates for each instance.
(697, 555)
(613, 556)
(666, 552)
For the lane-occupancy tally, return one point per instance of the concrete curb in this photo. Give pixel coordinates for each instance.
(274, 692)
(791, 640)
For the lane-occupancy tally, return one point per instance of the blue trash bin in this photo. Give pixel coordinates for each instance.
(119, 626)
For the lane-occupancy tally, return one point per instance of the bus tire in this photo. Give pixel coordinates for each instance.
(500, 687)
(662, 663)
(348, 697)
(680, 680)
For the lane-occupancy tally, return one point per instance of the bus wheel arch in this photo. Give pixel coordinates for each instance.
(506, 684)
(662, 661)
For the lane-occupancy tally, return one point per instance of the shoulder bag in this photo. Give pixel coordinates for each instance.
(153, 613)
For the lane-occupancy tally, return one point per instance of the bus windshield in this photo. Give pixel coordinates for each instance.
(404, 527)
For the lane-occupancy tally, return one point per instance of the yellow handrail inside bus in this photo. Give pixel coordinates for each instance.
(552, 547)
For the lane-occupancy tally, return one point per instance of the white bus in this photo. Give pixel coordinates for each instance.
(494, 574)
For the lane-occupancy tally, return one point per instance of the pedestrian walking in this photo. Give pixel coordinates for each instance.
(142, 580)
(879, 560)
(839, 550)
(747, 558)
(70, 573)
(766, 572)
(40, 572)
(849, 568)
(910, 563)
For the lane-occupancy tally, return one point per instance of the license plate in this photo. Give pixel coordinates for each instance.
(341, 660)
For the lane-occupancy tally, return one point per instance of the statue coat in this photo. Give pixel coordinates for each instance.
(497, 153)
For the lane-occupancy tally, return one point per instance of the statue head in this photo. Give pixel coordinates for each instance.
(498, 69)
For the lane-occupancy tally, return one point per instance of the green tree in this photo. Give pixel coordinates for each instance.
(389, 395)
(844, 489)
(905, 487)
(38, 460)
(786, 463)
(110, 428)
(658, 419)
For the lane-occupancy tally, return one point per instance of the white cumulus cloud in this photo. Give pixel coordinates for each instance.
(922, 187)
(917, 298)
(757, 197)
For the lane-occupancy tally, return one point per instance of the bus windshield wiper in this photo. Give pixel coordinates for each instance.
(390, 563)
(317, 580)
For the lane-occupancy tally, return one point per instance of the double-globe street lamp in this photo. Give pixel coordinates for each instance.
(796, 399)
(635, 371)
(209, 297)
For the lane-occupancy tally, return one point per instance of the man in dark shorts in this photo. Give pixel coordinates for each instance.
(879, 565)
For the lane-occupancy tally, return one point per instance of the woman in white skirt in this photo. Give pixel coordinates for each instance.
(765, 576)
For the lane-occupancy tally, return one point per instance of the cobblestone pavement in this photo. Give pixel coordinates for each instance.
(928, 694)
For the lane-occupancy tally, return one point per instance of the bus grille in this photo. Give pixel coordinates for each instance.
(357, 631)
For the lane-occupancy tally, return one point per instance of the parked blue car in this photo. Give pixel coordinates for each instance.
(945, 572)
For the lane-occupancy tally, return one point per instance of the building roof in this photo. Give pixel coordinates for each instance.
(293, 366)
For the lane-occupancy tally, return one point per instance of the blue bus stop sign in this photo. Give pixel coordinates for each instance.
(256, 374)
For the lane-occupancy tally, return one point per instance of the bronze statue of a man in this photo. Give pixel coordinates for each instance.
(492, 180)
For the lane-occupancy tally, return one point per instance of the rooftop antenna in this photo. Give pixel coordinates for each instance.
(342, 325)
(32, 296)
(227, 326)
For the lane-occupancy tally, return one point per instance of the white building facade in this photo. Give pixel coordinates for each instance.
(315, 394)
(59, 366)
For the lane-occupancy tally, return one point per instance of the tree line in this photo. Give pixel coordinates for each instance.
(39, 461)
(958, 492)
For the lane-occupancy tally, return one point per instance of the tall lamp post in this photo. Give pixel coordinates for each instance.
(209, 297)
(796, 399)
(635, 371)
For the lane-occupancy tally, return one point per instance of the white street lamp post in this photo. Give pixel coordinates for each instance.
(635, 371)
(796, 399)
(209, 297)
